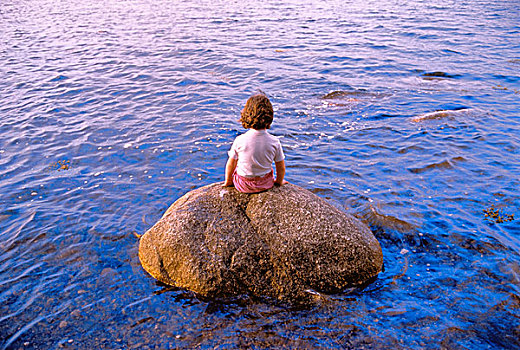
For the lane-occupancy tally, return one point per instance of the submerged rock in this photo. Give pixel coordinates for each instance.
(350, 98)
(281, 243)
(441, 114)
(351, 93)
(439, 75)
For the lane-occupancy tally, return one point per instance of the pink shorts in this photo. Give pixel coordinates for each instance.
(253, 184)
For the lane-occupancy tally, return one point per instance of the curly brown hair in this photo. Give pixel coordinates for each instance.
(257, 113)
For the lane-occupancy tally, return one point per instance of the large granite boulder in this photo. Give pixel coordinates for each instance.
(281, 243)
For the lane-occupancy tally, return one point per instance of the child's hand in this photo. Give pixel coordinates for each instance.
(227, 184)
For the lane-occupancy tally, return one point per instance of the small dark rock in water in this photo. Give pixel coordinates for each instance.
(439, 75)
(442, 114)
(350, 94)
(281, 243)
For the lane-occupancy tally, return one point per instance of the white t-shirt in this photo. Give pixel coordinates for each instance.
(256, 150)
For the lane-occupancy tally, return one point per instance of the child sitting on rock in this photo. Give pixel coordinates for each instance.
(249, 167)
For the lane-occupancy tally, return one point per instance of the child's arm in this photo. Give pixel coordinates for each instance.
(230, 169)
(280, 173)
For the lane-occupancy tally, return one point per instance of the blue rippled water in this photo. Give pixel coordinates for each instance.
(111, 110)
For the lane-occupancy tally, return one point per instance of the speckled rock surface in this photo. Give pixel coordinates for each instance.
(280, 243)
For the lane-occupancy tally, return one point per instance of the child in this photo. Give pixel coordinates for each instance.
(249, 167)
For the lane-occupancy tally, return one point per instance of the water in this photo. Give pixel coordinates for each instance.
(112, 110)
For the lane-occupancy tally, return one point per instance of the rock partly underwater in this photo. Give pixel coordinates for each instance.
(442, 114)
(281, 243)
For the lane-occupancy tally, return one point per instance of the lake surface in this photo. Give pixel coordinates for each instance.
(111, 110)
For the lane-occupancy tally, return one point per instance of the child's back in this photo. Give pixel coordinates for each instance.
(249, 167)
